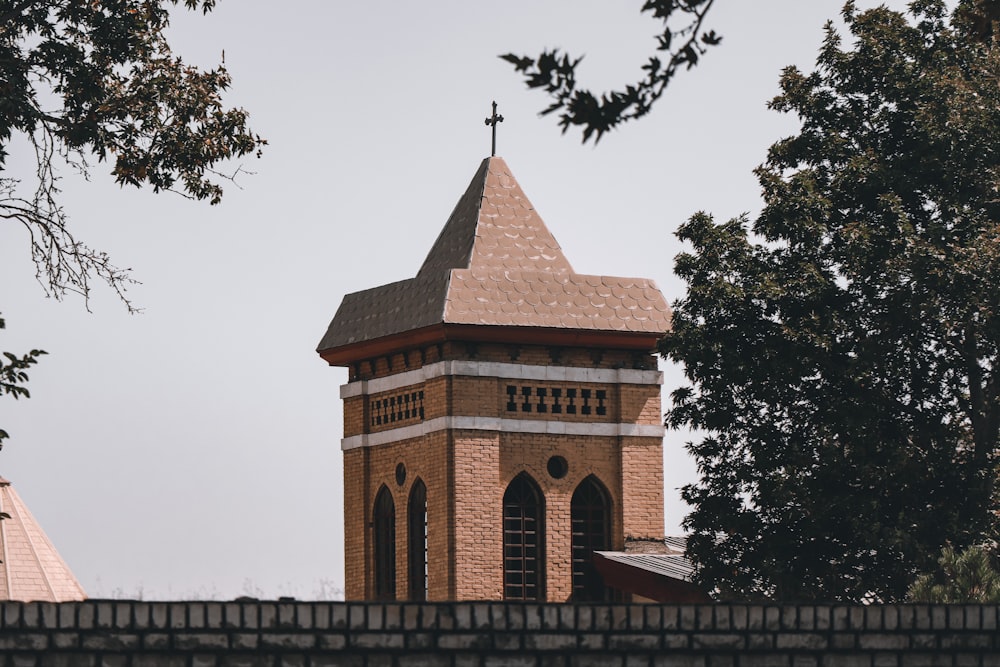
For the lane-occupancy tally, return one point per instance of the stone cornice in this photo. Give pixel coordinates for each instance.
(540, 426)
(500, 370)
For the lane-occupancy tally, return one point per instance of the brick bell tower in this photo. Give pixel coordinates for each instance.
(502, 414)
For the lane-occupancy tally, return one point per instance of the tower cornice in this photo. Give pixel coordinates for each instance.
(345, 355)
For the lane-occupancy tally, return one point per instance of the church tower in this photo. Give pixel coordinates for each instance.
(502, 414)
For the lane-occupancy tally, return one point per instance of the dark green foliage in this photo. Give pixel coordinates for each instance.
(844, 353)
(83, 80)
(13, 375)
(677, 47)
(967, 577)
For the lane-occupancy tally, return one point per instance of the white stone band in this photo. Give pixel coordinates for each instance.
(501, 370)
(505, 425)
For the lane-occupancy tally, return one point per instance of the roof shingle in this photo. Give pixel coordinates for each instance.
(30, 567)
(495, 263)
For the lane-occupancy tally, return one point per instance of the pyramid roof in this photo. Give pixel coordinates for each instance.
(496, 264)
(31, 568)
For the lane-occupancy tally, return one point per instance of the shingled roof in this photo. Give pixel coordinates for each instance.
(495, 263)
(31, 568)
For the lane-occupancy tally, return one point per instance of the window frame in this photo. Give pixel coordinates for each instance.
(523, 512)
(384, 545)
(590, 528)
(417, 546)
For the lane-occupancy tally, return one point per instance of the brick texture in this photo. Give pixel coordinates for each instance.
(466, 472)
(311, 634)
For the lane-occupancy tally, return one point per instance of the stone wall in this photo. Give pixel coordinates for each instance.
(313, 634)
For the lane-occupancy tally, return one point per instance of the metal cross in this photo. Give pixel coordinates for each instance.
(493, 120)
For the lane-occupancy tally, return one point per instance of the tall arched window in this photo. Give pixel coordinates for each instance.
(590, 517)
(416, 533)
(523, 540)
(385, 545)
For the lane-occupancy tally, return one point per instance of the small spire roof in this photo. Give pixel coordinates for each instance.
(31, 568)
(495, 263)
(495, 227)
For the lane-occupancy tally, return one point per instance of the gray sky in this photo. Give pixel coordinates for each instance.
(193, 450)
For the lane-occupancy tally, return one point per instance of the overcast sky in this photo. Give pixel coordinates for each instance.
(193, 450)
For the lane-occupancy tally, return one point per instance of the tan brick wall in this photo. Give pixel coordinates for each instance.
(642, 486)
(360, 413)
(395, 408)
(488, 397)
(436, 397)
(476, 396)
(355, 525)
(548, 401)
(354, 415)
(467, 472)
(484, 464)
(586, 455)
(407, 360)
(478, 516)
(365, 471)
(640, 404)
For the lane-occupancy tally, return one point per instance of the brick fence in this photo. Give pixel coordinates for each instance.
(312, 634)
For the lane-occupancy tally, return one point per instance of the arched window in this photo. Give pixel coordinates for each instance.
(523, 540)
(416, 532)
(590, 517)
(385, 545)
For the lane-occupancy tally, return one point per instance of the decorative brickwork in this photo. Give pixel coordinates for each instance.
(557, 400)
(497, 362)
(325, 634)
(392, 410)
(467, 470)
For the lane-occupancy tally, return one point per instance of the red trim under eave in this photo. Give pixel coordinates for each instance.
(648, 584)
(439, 333)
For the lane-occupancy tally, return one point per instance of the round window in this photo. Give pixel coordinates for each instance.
(557, 467)
(400, 474)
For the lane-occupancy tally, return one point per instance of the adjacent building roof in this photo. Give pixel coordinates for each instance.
(675, 566)
(495, 263)
(654, 569)
(31, 568)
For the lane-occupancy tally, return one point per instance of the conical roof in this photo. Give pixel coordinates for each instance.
(496, 264)
(31, 568)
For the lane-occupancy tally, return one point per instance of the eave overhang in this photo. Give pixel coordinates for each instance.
(345, 355)
(624, 576)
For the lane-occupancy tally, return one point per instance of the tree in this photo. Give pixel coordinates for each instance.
(843, 353)
(13, 376)
(97, 80)
(682, 46)
(967, 577)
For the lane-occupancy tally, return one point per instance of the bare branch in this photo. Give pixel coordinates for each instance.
(84, 79)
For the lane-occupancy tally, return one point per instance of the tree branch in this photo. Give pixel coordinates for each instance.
(556, 73)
